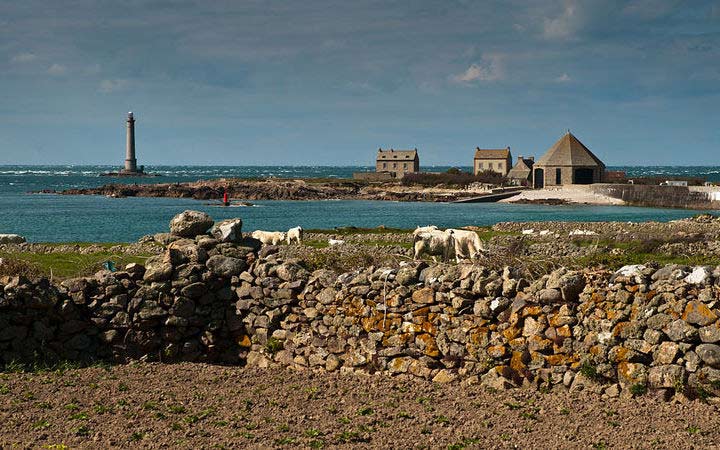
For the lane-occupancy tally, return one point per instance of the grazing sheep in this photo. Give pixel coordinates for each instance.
(332, 242)
(419, 230)
(435, 243)
(296, 234)
(467, 244)
(269, 237)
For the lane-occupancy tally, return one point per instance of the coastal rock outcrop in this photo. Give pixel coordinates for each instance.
(11, 239)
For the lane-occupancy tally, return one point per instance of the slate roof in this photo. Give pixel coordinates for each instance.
(396, 155)
(569, 151)
(492, 153)
(522, 169)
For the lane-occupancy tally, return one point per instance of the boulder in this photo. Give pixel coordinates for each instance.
(699, 275)
(11, 239)
(225, 266)
(158, 268)
(229, 230)
(190, 224)
(710, 354)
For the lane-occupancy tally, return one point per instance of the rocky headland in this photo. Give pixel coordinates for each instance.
(280, 189)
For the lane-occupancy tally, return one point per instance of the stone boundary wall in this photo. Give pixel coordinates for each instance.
(659, 196)
(618, 333)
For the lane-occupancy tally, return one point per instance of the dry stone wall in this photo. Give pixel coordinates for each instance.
(640, 328)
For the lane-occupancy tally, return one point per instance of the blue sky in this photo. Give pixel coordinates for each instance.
(328, 82)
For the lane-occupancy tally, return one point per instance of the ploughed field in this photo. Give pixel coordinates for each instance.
(204, 406)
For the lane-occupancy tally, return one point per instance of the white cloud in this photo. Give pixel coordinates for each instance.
(491, 69)
(565, 25)
(23, 58)
(564, 78)
(57, 69)
(108, 86)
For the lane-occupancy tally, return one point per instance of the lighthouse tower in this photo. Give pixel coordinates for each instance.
(130, 160)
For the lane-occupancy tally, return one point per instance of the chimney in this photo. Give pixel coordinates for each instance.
(520, 158)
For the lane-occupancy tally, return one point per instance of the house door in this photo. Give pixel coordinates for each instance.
(539, 179)
(584, 176)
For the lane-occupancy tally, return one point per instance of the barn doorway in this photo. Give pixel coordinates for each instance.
(539, 179)
(584, 176)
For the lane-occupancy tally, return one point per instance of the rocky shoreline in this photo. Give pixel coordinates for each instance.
(220, 298)
(277, 189)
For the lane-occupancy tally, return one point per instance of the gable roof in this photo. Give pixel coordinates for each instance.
(492, 153)
(569, 151)
(522, 168)
(396, 155)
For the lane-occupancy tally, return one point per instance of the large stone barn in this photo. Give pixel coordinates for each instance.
(397, 162)
(568, 162)
(495, 160)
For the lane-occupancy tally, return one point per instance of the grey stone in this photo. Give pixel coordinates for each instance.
(710, 333)
(194, 290)
(225, 266)
(667, 376)
(679, 330)
(157, 269)
(229, 230)
(548, 296)
(710, 354)
(190, 223)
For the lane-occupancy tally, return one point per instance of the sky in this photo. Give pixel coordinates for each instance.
(314, 82)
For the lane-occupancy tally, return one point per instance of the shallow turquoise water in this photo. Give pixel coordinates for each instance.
(54, 218)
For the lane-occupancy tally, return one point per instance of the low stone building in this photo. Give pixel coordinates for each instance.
(522, 171)
(397, 162)
(568, 161)
(494, 160)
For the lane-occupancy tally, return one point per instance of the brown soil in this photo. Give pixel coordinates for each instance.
(202, 406)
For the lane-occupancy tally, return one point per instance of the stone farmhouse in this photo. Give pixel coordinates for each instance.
(495, 160)
(568, 161)
(397, 162)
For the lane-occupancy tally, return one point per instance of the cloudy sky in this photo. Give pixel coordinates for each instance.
(328, 82)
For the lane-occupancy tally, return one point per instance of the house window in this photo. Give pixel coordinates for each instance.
(405, 166)
(558, 176)
(394, 165)
(384, 165)
(500, 166)
(480, 165)
(490, 166)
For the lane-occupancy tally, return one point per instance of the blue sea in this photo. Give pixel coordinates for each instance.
(55, 218)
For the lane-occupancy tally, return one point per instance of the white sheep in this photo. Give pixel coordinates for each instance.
(434, 243)
(419, 230)
(296, 234)
(467, 244)
(269, 237)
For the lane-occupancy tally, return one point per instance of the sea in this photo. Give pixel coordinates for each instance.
(59, 218)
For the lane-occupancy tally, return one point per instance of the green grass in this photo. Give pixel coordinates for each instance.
(63, 265)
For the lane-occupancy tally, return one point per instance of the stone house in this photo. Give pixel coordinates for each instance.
(495, 160)
(568, 161)
(397, 162)
(522, 171)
